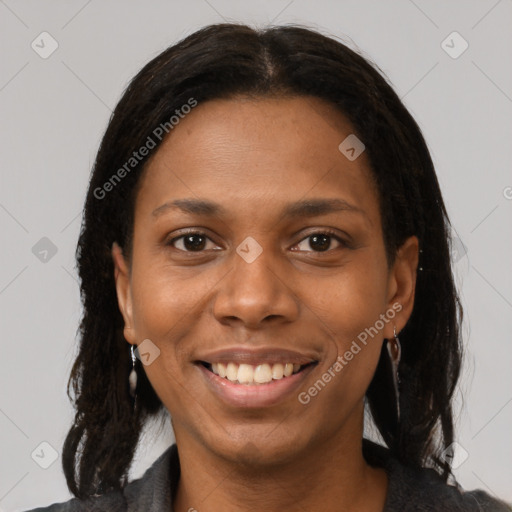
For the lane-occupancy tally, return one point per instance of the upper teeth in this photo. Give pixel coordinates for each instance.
(249, 374)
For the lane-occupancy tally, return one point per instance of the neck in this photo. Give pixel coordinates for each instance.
(330, 476)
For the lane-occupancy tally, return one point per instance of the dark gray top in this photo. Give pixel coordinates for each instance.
(409, 490)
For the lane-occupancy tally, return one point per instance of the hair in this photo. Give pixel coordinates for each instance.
(222, 61)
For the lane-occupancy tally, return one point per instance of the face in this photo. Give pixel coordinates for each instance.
(258, 251)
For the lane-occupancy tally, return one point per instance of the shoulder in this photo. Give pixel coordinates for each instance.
(423, 490)
(112, 501)
(150, 492)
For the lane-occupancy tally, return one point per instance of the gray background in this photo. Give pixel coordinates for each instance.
(54, 112)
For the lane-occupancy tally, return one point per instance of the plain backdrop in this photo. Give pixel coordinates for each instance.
(54, 111)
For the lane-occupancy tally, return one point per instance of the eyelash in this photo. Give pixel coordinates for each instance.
(326, 231)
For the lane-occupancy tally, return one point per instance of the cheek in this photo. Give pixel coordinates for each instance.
(160, 307)
(351, 307)
(168, 305)
(352, 300)
(163, 298)
(156, 307)
(159, 315)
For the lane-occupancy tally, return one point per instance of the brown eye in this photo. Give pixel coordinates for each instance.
(191, 242)
(319, 242)
(194, 242)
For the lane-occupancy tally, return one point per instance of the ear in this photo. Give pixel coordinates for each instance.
(402, 285)
(123, 288)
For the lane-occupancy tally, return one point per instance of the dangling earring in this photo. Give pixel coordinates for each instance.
(395, 352)
(132, 379)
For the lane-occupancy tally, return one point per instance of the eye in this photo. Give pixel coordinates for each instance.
(319, 241)
(190, 242)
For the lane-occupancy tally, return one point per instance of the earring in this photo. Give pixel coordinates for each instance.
(132, 379)
(395, 352)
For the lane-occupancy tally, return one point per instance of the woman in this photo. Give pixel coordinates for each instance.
(265, 225)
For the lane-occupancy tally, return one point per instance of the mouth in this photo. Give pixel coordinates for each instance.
(255, 375)
(243, 378)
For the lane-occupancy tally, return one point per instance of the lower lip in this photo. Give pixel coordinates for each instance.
(253, 396)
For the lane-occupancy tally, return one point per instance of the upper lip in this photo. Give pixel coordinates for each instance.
(256, 356)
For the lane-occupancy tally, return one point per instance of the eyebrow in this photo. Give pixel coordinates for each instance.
(193, 206)
(304, 208)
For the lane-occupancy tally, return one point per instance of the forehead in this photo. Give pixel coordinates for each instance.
(248, 152)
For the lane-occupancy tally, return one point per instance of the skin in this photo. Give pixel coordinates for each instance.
(254, 156)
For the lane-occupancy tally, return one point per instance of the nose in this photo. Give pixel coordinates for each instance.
(255, 294)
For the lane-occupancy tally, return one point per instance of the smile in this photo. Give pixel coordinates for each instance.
(254, 384)
(251, 375)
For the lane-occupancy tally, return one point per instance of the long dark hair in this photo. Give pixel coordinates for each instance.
(220, 61)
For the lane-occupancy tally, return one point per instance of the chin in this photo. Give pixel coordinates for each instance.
(259, 446)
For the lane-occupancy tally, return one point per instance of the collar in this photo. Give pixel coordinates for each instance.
(408, 488)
